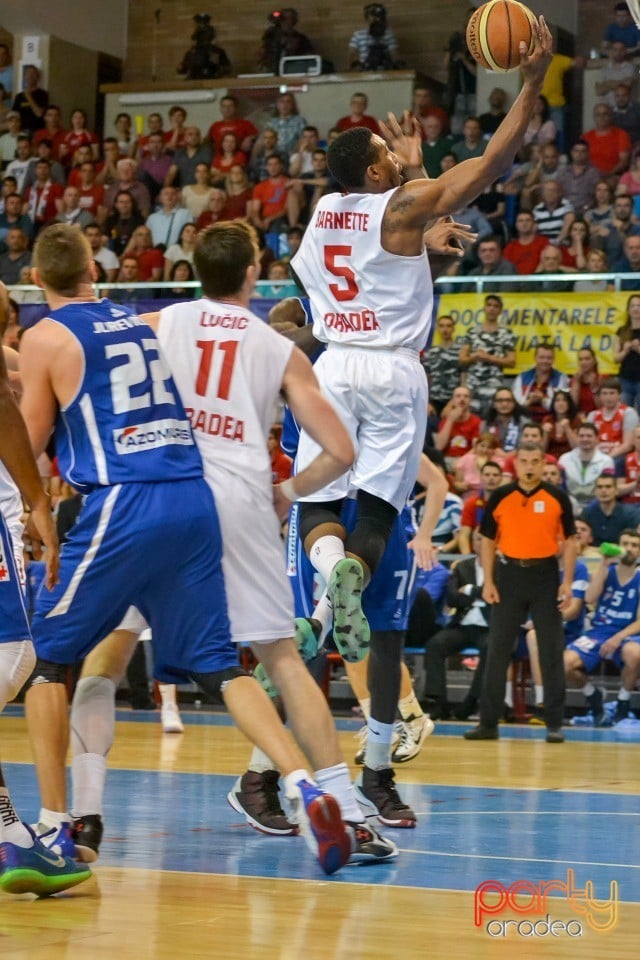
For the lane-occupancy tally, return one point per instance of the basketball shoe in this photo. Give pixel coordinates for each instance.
(413, 733)
(308, 632)
(376, 790)
(87, 835)
(255, 796)
(368, 846)
(59, 840)
(361, 735)
(320, 821)
(351, 632)
(37, 869)
(170, 719)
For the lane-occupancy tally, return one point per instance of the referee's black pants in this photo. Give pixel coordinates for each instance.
(526, 592)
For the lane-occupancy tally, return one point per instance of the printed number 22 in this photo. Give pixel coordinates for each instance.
(350, 292)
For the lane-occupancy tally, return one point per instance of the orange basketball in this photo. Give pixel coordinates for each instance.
(495, 31)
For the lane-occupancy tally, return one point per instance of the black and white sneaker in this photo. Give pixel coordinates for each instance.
(368, 846)
(87, 835)
(255, 796)
(376, 790)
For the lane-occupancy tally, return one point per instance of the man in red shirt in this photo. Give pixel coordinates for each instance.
(269, 204)
(52, 131)
(42, 195)
(459, 427)
(243, 130)
(358, 118)
(609, 146)
(473, 505)
(423, 107)
(531, 433)
(524, 252)
(91, 195)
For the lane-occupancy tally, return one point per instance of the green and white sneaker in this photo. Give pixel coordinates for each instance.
(351, 632)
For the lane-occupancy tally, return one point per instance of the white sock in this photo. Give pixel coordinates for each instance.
(93, 716)
(588, 689)
(291, 780)
(336, 780)
(167, 693)
(260, 762)
(323, 612)
(325, 553)
(377, 755)
(365, 706)
(539, 692)
(88, 775)
(508, 693)
(52, 818)
(12, 830)
(409, 708)
(624, 694)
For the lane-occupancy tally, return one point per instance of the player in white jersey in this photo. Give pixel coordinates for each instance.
(363, 265)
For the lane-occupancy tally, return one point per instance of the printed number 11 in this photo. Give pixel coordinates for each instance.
(228, 348)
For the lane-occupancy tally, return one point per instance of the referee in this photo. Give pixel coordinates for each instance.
(522, 526)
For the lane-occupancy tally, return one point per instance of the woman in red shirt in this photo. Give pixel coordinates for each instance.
(239, 192)
(78, 136)
(585, 383)
(228, 157)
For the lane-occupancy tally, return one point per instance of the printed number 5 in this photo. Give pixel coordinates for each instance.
(350, 292)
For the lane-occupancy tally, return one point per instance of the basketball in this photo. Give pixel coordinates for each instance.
(495, 31)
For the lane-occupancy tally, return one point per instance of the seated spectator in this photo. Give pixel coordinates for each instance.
(182, 272)
(108, 172)
(546, 168)
(629, 262)
(91, 194)
(228, 157)
(101, 254)
(610, 233)
(17, 257)
(468, 469)
(524, 252)
(614, 590)
(127, 141)
(308, 188)
(154, 125)
(443, 363)
(167, 222)
(121, 221)
(150, 259)
(489, 122)
(182, 171)
(294, 239)
(281, 464)
(239, 191)
(282, 39)
(487, 350)
(551, 263)
(358, 116)
(9, 139)
(504, 420)
(52, 130)
(630, 179)
(626, 352)
(628, 486)
(244, 131)
(195, 197)
(606, 516)
(264, 147)
(476, 222)
(578, 179)
(534, 388)
(585, 383)
(614, 420)
(281, 284)
(492, 205)
(301, 160)
(70, 210)
(586, 550)
(31, 103)
(473, 143)
(435, 145)
(269, 202)
(216, 211)
(468, 627)
(13, 217)
(19, 167)
(530, 433)
(513, 184)
(42, 196)
(540, 129)
(182, 250)
(56, 170)
(610, 147)
(583, 465)
(267, 256)
(10, 329)
(459, 427)
(492, 263)
(82, 155)
(423, 105)
(287, 123)
(154, 166)
(6, 69)
(9, 185)
(128, 180)
(575, 251)
(473, 505)
(128, 274)
(553, 215)
(626, 112)
(373, 47)
(596, 263)
(621, 29)
(78, 136)
(617, 69)
(560, 424)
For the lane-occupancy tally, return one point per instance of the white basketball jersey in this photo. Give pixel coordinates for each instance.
(10, 499)
(228, 367)
(360, 294)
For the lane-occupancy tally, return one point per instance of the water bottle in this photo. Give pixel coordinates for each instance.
(611, 550)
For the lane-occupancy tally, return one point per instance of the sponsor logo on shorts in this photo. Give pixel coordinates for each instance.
(151, 436)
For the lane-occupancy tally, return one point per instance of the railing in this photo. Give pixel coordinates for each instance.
(533, 280)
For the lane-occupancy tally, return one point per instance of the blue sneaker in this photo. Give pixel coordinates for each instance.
(60, 840)
(351, 633)
(37, 870)
(596, 702)
(320, 821)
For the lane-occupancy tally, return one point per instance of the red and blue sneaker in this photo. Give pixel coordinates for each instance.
(320, 820)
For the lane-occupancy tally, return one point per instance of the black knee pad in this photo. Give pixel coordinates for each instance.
(311, 515)
(375, 519)
(213, 684)
(47, 672)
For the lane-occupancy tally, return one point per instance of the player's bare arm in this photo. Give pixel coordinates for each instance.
(433, 479)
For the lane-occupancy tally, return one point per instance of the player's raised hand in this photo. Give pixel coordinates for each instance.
(404, 138)
(534, 65)
(446, 238)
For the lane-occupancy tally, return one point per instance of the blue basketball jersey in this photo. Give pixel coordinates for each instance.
(575, 628)
(618, 605)
(126, 423)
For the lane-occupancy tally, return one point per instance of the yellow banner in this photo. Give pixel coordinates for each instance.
(569, 321)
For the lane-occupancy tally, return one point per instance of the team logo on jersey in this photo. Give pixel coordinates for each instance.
(151, 436)
(5, 572)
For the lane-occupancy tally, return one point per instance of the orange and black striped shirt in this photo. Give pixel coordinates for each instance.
(528, 526)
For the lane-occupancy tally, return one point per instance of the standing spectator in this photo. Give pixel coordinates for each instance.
(614, 420)
(14, 217)
(182, 171)
(358, 116)
(121, 221)
(443, 363)
(287, 122)
(101, 254)
(524, 252)
(560, 424)
(473, 506)
(554, 215)
(504, 420)
(52, 130)
(621, 30)
(583, 465)
(626, 352)
(534, 388)
(473, 143)
(617, 70)
(155, 163)
(459, 427)
(435, 145)
(373, 47)
(269, 202)
(128, 180)
(585, 383)
(610, 234)
(626, 111)
(578, 178)
(78, 136)
(17, 257)
(526, 520)
(19, 167)
(486, 351)
(42, 196)
(244, 131)
(541, 128)
(610, 146)
(166, 223)
(606, 517)
(32, 102)
(489, 122)
(265, 146)
(628, 486)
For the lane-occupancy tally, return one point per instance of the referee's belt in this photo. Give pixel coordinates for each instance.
(533, 562)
